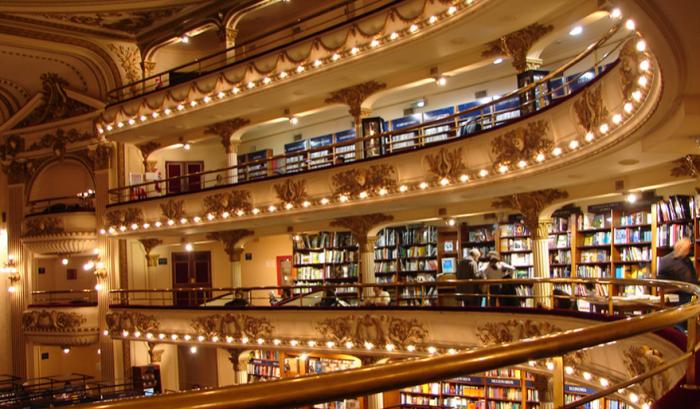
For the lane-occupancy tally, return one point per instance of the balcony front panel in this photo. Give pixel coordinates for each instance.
(61, 326)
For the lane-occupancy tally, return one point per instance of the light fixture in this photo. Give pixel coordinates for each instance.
(120, 124)
(186, 146)
(463, 178)
(363, 194)
(573, 144)
(441, 81)
(637, 95)
(174, 337)
(631, 197)
(604, 382)
(577, 30)
(245, 340)
(235, 90)
(375, 43)
(503, 169)
(498, 61)
(158, 223)
(452, 10)
(403, 188)
(616, 13)
(187, 337)
(604, 128)
(324, 201)
(549, 365)
(451, 222)
(587, 376)
(64, 261)
(589, 136)
(423, 185)
(643, 81)
(317, 63)
(343, 198)
(569, 370)
(641, 45)
(266, 80)
(411, 348)
(633, 397)
(532, 363)
(369, 345)
(184, 39)
(98, 287)
(432, 350)
(354, 50)
(193, 349)
(288, 206)
(628, 107)
(451, 351)
(66, 350)
(349, 345)
(193, 103)
(617, 118)
(300, 68)
(522, 164)
(155, 114)
(272, 208)
(225, 214)
(393, 36)
(330, 344)
(180, 107)
(251, 85)
(413, 28)
(311, 343)
(483, 173)
(89, 265)
(644, 65)
(189, 247)
(283, 74)
(630, 25)
(183, 220)
(293, 120)
(335, 57)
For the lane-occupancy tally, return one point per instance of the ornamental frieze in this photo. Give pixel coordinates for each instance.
(446, 164)
(42, 226)
(354, 95)
(229, 239)
(522, 143)
(630, 60)
(228, 202)
(378, 330)
(361, 225)
(59, 140)
(370, 180)
(517, 44)
(225, 129)
(590, 108)
(640, 359)
(233, 325)
(55, 103)
(492, 333)
(173, 209)
(131, 321)
(292, 192)
(17, 171)
(14, 145)
(124, 217)
(52, 321)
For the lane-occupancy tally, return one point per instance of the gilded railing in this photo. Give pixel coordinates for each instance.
(378, 378)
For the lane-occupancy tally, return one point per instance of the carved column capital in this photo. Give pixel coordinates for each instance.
(149, 67)
(530, 205)
(229, 239)
(231, 36)
(234, 358)
(542, 231)
(354, 96)
(155, 355)
(146, 150)
(225, 130)
(361, 225)
(517, 44)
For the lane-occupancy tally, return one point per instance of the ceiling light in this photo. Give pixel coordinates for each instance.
(393, 36)
(604, 382)
(300, 68)
(193, 103)
(616, 13)
(235, 90)
(221, 94)
(403, 188)
(444, 182)
(589, 136)
(186, 146)
(317, 63)
(185, 39)
(641, 45)
(452, 10)
(643, 81)
(628, 107)
(630, 25)
(432, 349)
(631, 198)
(131, 121)
(283, 74)
(576, 31)
(354, 50)
(266, 80)
(251, 84)
(335, 57)
(463, 178)
(644, 65)
(522, 164)
(180, 107)
(573, 144)
(498, 60)
(587, 376)
(64, 261)
(604, 128)
(483, 173)
(324, 201)
(441, 81)
(556, 151)
(503, 169)
(193, 349)
(374, 43)
(272, 208)
(143, 118)
(617, 118)
(66, 350)
(413, 28)
(569, 370)
(423, 185)
(293, 120)
(167, 111)
(189, 247)
(363, 195)
(432, 19)
(637, 95)
(549, 365)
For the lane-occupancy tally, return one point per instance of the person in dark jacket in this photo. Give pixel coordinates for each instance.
(468, 269)
(676, 266)
(508, 293)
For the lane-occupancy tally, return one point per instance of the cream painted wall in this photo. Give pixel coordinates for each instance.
(54, 277)
(224, 367)
(73, 176)
(196, 369)
(262, 269)
(83, 360)
(168, 365)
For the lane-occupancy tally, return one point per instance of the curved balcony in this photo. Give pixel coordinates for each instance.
(61, 325)
(60, 232)
(516, 135)
(452, 341)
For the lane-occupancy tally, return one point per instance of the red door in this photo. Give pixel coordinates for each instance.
(194, 182)
(191, 272)
(173, 170)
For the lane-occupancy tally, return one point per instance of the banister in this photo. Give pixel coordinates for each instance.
(378, 378)
(363, 139)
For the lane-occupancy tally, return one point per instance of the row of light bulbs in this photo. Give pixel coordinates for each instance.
(301, 68)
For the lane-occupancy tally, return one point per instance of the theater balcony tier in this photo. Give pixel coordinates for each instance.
(60, 233)
(61, 325)
(496, 158)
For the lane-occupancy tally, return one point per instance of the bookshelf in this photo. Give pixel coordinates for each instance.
(263, 366)
(481, 237)
(448, 250)
(515, 247)
(560, 234)
(594, 243)
(407, 254)
(326, 258)
(632, 252)
(674, 220)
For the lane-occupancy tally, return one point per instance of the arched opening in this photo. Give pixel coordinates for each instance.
(73, 193)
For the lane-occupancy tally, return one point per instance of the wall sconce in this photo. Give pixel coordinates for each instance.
(10, 268)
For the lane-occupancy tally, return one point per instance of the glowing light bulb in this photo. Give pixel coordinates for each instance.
(363, 195)
(643, 81)
(317, 63)
(573, 144)
(644, 65)
(251, 85)
(188, 337)
(452, 10)
(390, 347)
(300, 69)
(64, 261)
(569, 370)
(193, 349)
(502, 169)
(556, 151)
(441, 81)
(617, 118)
(483, 173)
(193, 104)
(393, 36)
(587, 376)
(283, 74)
(225, 215)
(432, 19)
(411, 348)
(616, 13)
(120, 124)
(604, 382)
(413, 28)
(189, 247)
(432, 349)
(288, 206)
(444, 182)
(354, 50)
(628, 107)
(343, 198)
(522, 164)
(335, 57)
(221, 95)
(637, 95)
(630, 24)
(463, 178)
(589, 136)
(272, 208)
(180, 107)
(235, 90)
(604, 128)
(348, 345)
(403, 188)
(498, 61)
(375, 43)
(641, 45)
(423, 185)
(549, 365)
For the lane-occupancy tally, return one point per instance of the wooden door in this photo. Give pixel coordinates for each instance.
(191, 270)
(194, 181)
(173, 170)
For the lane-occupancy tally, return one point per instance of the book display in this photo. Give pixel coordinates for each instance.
(263, 366)
(346, 152)
(438, 132)
(480, 237)
(632, 246)
(560, 247)
(404, 140)
(674, 220)
(594, 240)
(515, 247)
(326, 258)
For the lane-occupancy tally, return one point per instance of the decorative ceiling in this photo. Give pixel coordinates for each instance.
(131, 22)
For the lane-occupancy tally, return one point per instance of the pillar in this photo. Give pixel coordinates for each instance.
(231, 36)
(374, 401)
(106, 277)
(367, 263)
(19, 297)
(232, 162)
(540, 260)
(239, 369)
(236, 267)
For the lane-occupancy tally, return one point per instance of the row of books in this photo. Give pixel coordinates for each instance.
(514, 230)
(419, 235)
(632, 235)
(324, 240)
(327, 256)
(675, 209)
(480, 234)
(635, 218)
(504, 393)
(385, 253)
(428, 250)
(385, 266)
(350, 272)
(387, 238)
(635, 254)
(559, 225)
(419, 265)
(324, 365)
(506, 373)
(518, 259)
(669, 234)
(559, 256)
(462, 390)
(517, 244)
(590, 221)
(595, 256)
(596, 239)
(560, 241)
(600, 271)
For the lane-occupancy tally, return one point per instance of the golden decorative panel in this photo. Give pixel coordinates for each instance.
(225, 130)
(590, 108)
(378, 330)
(228, 202)
(52, 321)
(630, 59)
(446, 164)
(530, 205)
(521, 143)
(131, 321)
(14, 144)
(42, 226)
(689, 165)
(132, 21)
(124, 217)
(233, 325)
(354, 95)
(17, 171)
(173, 209)
(361, 225)
(55, 104)
(517, 44)
(640, 359)
(292, 192)
(355, 181)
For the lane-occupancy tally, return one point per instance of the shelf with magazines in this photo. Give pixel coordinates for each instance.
(326, 258)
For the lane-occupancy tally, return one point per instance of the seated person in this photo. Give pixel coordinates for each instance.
(329, 299)
(379, 297)
(238, 300)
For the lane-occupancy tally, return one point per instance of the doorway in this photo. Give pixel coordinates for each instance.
(191, 270)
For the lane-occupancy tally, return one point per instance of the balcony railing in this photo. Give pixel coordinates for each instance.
(78, 298)
(378, 378)
(61, 204)
(320, 22)
(549, 91)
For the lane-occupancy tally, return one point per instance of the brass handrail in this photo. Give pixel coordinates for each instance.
(373, 138)
(378, 378)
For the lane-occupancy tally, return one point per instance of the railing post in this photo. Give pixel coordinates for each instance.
(558, 382)
(610, 300)
(691, 375)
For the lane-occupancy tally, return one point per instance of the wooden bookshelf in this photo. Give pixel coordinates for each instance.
(515, 248)
(482, 237)
(327, 258)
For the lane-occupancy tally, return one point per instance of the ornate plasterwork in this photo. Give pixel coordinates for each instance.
(521, 143)
(229, 239)
(148, 246)
(640, 359)
(630, 59)
(689, 165)
(124, 217)
(101, 156)
(14, 144)
(131, 321)
(233, 325)
(355, 181)
(225, 129)
(228, 202)
(132, 21)
(530, 205)
(446, 164)
(292, 192)
(590, 108)
(154, 355)
(59, 141)
(378, 330)
(55, 103)
(517, 44)
(173, 209)
(146, 150)
(52, 321)
(129, 58)
(361, 225)
(17, 171)
(41, 226)
(354, 95)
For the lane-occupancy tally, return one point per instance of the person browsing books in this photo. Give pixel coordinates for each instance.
(496, 269)
(676, 266)
(468, 269)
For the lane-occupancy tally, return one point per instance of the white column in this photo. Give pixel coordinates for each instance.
(236, 267)
(231, 162)
(540, 260)
(367, 275)
(20, 296)
(375, 401)
(231, 36)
